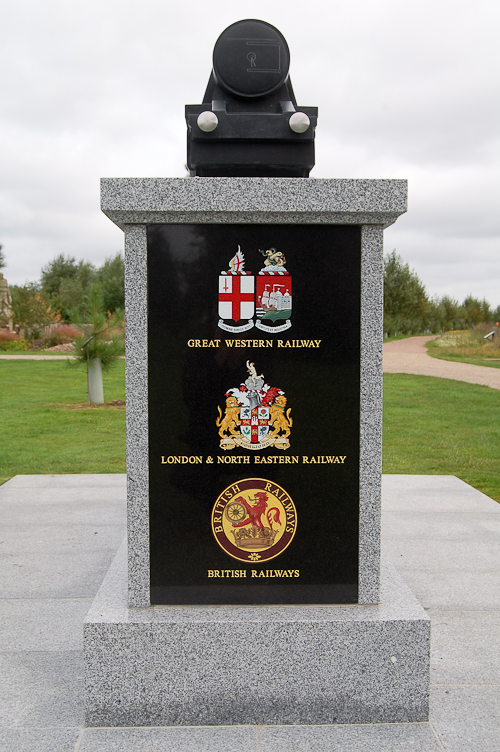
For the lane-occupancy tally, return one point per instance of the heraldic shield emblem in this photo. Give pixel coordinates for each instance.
(254, 520)
(256, 416)
(236, 296)
(274, 294)
(268, 296)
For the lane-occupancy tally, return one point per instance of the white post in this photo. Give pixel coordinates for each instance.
(94, 381)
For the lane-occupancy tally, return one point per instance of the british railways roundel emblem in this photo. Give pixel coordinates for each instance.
(254, 520)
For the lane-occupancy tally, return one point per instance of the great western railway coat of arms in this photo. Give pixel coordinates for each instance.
(255, 415)
(267, 295)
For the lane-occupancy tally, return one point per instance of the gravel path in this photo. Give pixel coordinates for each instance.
(410, 356)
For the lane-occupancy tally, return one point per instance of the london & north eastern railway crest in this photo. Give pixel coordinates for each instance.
(256, 416)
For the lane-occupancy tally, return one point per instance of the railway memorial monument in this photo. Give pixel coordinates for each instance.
(251, 590)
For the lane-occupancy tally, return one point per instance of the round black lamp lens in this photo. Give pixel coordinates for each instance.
(251, 59)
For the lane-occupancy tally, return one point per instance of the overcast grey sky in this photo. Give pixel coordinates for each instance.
(405, 89)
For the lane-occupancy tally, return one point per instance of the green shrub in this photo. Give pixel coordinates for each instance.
(14, 344)
(61, 335)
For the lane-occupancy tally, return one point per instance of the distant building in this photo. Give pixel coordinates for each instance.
(5, 303)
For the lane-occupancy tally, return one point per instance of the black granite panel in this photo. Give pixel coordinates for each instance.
(285, 470)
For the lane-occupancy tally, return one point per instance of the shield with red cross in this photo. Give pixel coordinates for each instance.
(254, 423)
(236, 296)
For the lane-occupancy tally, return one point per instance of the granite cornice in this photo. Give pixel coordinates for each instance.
(252, 200)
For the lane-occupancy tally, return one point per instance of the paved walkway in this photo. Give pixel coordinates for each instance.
(35, 357)
(410, 356)
(60, 534)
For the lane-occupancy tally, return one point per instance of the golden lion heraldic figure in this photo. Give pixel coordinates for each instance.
(231, 417)
(278, 419)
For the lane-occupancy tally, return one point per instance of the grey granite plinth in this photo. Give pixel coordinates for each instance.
(134, 203)
(255, 665)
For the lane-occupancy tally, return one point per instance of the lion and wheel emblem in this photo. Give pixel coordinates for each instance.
(254, 520)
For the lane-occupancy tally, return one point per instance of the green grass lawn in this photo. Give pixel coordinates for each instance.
(431, 426)
(466, 347)
(464, 359)
(441, 427)
(41, 430)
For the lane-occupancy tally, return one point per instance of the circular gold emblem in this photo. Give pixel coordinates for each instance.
(254, 520)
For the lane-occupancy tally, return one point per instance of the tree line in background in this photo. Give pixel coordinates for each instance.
(75, 307)
(68, 292)
(408, 309)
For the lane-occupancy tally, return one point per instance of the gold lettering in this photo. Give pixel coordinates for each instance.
(226, 573)
(182, 460)
(203, 342)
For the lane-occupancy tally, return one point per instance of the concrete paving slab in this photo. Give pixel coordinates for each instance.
(62, 512)
(41, 689)
(63, 538)
(447, 526)
(472, 554)
(464, 647)
(433, 493)
(467, 590)
(400, 737)
(52, 575)
(72, 495)
(181, 739)
(39, 740)
(467, 719)
(71, 480)
(50, 624)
